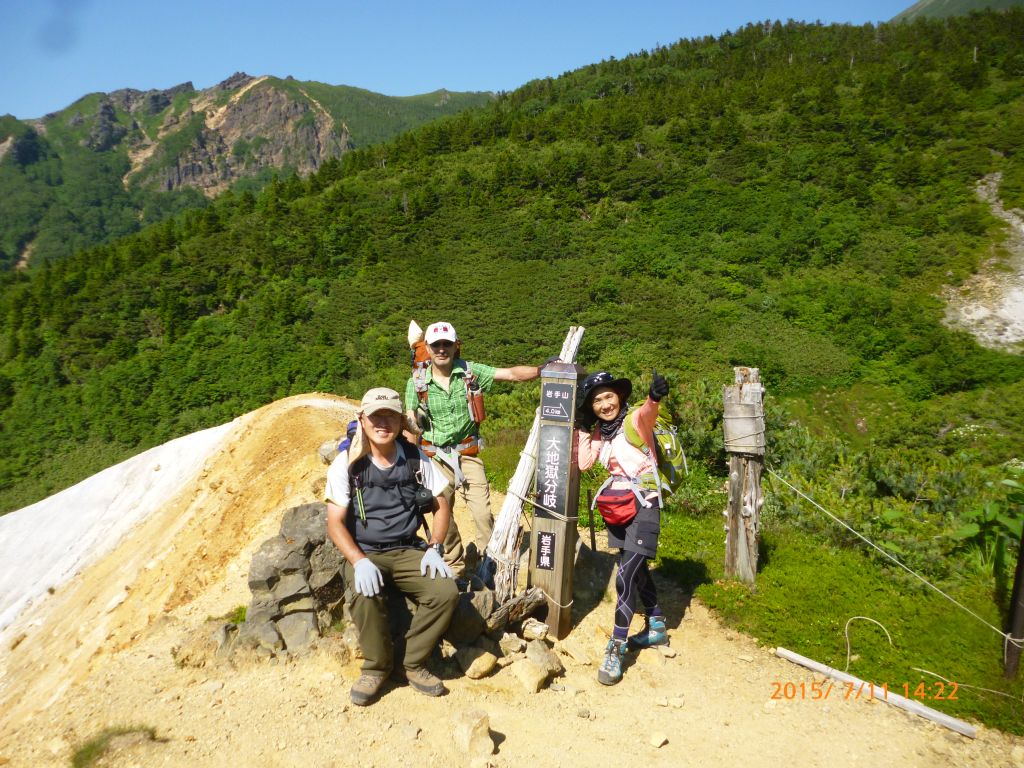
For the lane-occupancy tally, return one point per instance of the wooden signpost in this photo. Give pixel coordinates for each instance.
(553, 539)
(744, 441)
(503, 548)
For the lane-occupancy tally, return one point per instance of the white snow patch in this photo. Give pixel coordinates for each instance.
(44, 545)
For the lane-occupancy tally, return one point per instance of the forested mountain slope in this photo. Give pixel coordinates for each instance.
(788, 196)
(97, 169)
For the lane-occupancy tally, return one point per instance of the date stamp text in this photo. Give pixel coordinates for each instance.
(831, 690)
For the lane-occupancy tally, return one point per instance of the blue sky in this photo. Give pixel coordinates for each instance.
(54, 51)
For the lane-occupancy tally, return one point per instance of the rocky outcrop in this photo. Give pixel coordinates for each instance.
(106, 130)
(149, 102)
(296, 584)
(237, 80)
(261, 127)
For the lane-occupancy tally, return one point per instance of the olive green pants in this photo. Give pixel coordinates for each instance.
(477, 495)
(435, 601)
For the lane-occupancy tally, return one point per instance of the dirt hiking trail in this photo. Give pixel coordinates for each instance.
(117, 646)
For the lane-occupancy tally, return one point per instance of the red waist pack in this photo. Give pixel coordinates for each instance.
(616, 505)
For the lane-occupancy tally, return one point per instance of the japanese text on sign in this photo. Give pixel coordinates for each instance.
(556, 402)
(552, 476)
(546, 550)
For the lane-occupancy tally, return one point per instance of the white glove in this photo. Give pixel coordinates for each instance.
(369, 580)
(433, 561)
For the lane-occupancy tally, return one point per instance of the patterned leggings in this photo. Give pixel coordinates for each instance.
(632, 579)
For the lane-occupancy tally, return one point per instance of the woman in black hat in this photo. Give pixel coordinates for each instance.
(628, 501)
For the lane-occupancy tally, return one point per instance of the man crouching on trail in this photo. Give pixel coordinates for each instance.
(376, 494)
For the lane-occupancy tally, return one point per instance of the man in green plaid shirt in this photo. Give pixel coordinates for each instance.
(450, 435)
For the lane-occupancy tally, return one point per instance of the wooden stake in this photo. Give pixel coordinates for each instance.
(1016, 621)
(744, 441)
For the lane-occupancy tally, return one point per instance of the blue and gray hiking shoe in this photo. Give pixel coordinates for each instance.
(653, 635)
(610, 671)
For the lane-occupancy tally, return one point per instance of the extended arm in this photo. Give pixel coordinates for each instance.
(442, 519)
(517, 373)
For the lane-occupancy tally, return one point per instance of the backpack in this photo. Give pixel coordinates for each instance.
(350, 432)
(670, 458)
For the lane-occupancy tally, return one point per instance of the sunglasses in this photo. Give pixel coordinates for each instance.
(441, 344)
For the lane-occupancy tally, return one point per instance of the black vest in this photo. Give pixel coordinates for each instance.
(388, 501)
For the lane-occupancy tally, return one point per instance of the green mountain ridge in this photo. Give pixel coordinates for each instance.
(943, 9)
(110, 162)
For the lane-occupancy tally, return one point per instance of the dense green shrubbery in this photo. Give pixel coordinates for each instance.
(752, 199)
(790, 197)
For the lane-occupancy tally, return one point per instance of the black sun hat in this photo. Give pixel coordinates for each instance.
(593, 382)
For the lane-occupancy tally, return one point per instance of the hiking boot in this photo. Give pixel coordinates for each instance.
(654, 634)
(610, 671)
(365, 689)
(424, 681)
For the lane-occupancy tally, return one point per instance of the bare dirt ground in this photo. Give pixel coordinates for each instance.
(990, 305)
(99, 653)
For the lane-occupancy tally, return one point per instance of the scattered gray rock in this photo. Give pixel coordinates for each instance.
(328, 451)
(298, 630)
(470, 617)
(226, 637)
(510, 644)
(472, 733)
(530, 674)
(261, 636)
(291, 586)
(534, 630)
(475, 662)
(540, 653)
(575, 650)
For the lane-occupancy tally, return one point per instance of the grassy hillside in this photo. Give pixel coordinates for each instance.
(372, 118)
(788, 196)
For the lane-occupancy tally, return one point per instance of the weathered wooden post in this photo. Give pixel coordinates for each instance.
(1016, 621)
(553, 539)
(744, 441)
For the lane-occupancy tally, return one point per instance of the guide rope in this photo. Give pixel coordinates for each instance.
(1007, 638)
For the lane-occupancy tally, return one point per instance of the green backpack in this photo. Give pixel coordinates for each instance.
(670, 458)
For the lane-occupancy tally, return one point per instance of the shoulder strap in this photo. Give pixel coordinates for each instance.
(412, 456)
(633, 437)
(357, 470)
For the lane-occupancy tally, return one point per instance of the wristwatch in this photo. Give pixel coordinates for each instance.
(438, 547)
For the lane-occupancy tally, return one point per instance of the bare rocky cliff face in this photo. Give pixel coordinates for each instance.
(258, 126)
